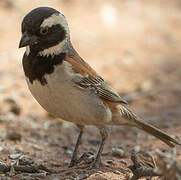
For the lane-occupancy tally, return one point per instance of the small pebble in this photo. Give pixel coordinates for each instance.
(117, 172)
(69, 152)
(35, 146)
(123, 161)
(137, 149)
(15, 156)
(12, 106)
(1, 148)
(118, 152)
(13, 136)
(110, 161)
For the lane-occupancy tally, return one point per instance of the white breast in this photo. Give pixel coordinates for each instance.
(64, 99)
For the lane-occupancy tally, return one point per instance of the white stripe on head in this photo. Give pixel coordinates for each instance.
(54, 19)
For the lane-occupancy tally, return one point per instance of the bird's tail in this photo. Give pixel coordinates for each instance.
(157, 133)
(127, 114)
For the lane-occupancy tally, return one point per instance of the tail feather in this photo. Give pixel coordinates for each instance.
(157, 133)
(127, 114)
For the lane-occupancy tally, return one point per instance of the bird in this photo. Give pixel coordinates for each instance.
(68, 87)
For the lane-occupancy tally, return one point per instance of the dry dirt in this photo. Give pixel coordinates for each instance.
(134, 45)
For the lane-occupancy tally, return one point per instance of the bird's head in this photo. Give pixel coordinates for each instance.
(44, 31)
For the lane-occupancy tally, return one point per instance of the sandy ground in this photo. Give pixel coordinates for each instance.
(134, 45)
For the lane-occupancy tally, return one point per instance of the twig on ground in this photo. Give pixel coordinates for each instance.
(33, 168)
(138, 170)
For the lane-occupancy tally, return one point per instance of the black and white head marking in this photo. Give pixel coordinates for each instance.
(45, 31)
(52, 21)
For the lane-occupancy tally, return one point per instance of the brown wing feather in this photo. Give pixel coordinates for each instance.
(80, 66)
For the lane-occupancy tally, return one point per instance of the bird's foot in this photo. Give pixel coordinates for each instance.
(87, 157)
(95, 165)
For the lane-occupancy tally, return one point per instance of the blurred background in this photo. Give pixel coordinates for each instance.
(135, 45)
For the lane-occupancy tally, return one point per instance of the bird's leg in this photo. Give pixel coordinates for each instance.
(74, 159)
(104, 134)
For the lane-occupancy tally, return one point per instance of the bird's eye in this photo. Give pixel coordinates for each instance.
(44, 31)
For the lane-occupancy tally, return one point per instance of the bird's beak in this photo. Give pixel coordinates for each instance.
(25, 40)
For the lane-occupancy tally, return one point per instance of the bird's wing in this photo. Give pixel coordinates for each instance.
(101, 88)
(91, 80)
